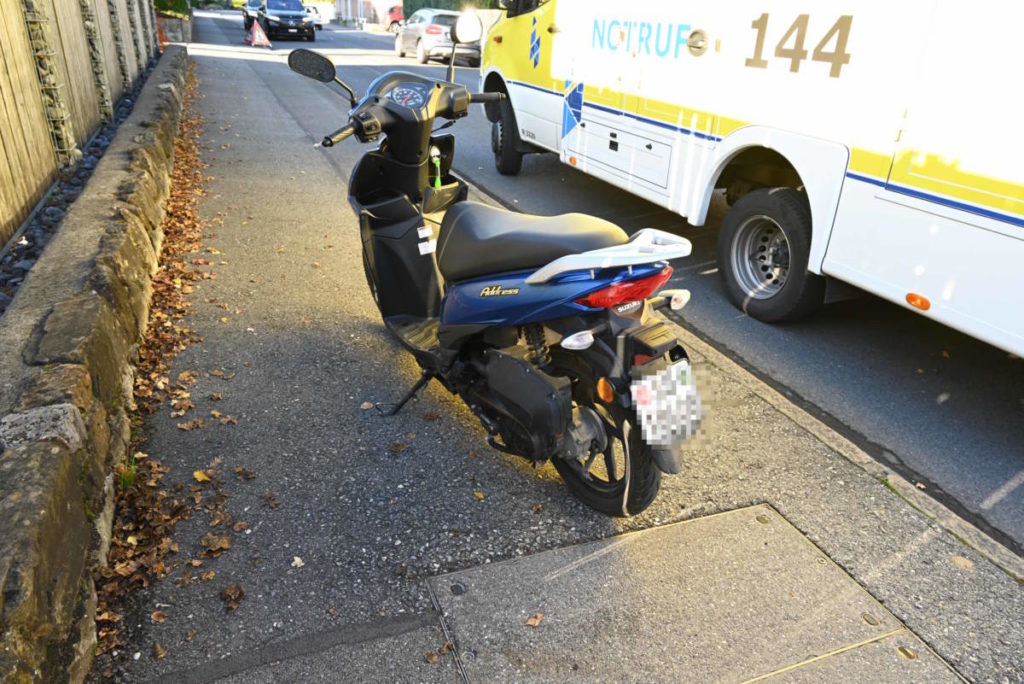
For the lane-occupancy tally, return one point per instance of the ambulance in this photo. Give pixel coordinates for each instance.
(876, 143)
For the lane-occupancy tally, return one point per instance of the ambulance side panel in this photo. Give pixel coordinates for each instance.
(946, 220)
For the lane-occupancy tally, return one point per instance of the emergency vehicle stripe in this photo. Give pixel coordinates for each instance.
(938, 199)
(1012, 219)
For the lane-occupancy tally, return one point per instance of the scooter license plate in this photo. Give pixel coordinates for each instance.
(667, 403)
(293, 30)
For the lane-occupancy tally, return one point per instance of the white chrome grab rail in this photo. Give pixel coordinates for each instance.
(647, 246)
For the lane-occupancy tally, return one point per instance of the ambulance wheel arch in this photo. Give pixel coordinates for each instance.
(494, 83)
(783, 189)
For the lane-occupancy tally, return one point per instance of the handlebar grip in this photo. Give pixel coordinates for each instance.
(338, 135)
(484, 98)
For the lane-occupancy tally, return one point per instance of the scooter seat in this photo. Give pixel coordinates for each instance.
(479, 240)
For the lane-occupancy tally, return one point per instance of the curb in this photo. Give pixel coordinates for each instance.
(1005, 559)
(66, 344)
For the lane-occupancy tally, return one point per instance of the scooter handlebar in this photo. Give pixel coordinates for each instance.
(484, 98)
(339, 135)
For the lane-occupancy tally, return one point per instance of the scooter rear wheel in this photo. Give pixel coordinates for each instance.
(621, 480)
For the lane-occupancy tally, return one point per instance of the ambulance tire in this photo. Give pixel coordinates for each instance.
(507, 159)
(802, 291)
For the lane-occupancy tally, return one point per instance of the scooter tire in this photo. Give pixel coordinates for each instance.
(642, 485)
(641, 480)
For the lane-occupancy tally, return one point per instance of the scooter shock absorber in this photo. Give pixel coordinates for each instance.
(539, 352)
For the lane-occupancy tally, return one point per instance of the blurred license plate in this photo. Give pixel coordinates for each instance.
(667, 402)
(293, 30)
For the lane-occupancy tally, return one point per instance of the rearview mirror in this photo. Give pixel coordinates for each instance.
(468, 29)
(312, 65)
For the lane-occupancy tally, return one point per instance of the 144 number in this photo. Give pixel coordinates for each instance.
(791, 46)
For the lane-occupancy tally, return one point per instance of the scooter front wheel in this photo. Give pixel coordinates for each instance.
(621, 480)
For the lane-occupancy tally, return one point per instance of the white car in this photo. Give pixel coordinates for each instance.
(318, 22)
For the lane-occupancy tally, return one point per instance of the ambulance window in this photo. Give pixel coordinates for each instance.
(517, 7)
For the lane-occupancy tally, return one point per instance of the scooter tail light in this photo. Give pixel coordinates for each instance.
(626, 291)
(433, 30)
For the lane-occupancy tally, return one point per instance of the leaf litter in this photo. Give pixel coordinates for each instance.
(147, 510)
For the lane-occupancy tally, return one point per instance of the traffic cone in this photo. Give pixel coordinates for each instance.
(161, 36)
(256, 37)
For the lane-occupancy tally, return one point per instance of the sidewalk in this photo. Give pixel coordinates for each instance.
(363, 531)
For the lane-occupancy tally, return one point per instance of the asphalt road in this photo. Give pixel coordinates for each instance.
(348, 512)
(937, 406)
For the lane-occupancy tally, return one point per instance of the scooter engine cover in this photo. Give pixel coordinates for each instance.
(533, 409)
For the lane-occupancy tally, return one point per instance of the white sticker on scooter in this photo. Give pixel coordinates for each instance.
(428, 247)
(426, 232)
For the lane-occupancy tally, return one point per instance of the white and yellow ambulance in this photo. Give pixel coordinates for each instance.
(879, 143)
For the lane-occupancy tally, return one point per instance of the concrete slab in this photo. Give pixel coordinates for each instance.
(729, 597)
(395, 659)
(901, 657)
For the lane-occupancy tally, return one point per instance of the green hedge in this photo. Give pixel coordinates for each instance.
(172, 8)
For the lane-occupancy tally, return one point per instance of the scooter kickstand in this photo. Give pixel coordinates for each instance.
(426, 377)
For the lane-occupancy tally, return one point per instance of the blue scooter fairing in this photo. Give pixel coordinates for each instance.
(507, 299)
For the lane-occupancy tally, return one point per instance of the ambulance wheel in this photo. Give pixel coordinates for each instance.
(421, 54)
(763, 249)
(507, 159)
(399, 52)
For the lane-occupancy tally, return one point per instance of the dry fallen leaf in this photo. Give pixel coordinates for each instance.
(534, 620)
(240, 526)
(479, 496)
(231, 595)
(398, 447)
(190, 635)
(537, 508)
(244, 473)
(215, 396)
(474, 453)
(271, 499)
(431, 657)
(159, 652)
(208, 575)
(366, 405)
(215, 544)
(200, 476)
(158, 616)
(191, 425)
(297, 562)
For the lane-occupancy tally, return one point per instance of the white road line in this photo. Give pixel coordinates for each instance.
(1004, 491)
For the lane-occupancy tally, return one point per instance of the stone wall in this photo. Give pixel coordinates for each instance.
(66, 346)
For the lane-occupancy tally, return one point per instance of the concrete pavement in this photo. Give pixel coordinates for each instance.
(350, 514)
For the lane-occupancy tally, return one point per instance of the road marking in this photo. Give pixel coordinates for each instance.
(1004, 491)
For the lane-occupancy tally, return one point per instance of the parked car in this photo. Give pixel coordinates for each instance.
(285, 18)
(314, 14)
(427, 34)
(394, 18)
(249, 11)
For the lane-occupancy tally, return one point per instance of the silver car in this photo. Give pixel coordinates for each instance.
(427, 34)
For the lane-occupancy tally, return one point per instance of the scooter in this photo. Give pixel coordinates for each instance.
(544, 326)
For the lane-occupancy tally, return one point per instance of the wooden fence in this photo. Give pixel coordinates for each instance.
(64, 65)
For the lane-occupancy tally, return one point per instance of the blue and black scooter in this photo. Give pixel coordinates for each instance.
(544, 326)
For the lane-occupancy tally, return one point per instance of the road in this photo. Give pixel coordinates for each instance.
(937, 406)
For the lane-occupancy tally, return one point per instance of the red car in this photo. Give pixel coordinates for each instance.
(394, 18)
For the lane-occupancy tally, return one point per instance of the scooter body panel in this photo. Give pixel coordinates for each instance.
(507, 299)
